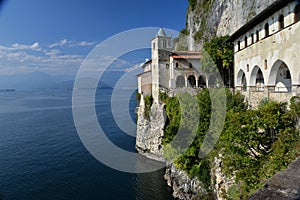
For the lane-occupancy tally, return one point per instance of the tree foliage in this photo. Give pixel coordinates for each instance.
(255, 144)
(218, 57)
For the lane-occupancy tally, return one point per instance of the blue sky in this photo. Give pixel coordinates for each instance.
(54, 36)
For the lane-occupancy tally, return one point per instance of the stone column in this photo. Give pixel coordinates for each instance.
(295, 90)
(250, 91)
(266, 92)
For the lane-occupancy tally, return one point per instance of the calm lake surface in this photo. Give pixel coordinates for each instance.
(42, 157)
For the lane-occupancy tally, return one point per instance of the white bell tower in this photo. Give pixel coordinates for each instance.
(161, 48)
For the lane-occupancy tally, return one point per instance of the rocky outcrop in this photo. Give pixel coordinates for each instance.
(285, 185)
(221, 183)
(183, 186)
(150, 131)
(223, 17)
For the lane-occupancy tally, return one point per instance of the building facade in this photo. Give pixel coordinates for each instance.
(266, 54)
(169, 70)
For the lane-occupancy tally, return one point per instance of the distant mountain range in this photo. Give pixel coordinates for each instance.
(42, 81)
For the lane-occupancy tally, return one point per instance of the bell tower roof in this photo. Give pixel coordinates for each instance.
(161, 33)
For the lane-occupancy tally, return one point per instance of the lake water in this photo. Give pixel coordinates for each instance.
(42, 157)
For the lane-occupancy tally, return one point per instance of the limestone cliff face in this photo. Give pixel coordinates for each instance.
(183, 186)
(150, 131)
(206, 19)
(220, 182)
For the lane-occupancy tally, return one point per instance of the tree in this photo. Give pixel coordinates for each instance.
(221, 53)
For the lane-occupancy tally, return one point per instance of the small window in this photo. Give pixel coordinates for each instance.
(239, 45)
(267, 32)
(246, 41)
(153, 45)
(177, 65)
(190, 65)
(257, 35)
(297, 14)
(167, 65)
(266, 64)
(248, 68)
(281, 22)
(252, 38)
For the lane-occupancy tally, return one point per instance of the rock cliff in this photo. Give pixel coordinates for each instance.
(206, 19)
(150, 131)
(183, 186)
(284, 185)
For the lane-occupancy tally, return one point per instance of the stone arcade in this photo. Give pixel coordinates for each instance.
(266, 59)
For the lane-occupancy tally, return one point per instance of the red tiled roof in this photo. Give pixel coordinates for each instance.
(186, 55)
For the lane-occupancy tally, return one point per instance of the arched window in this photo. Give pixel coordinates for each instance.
(180, 82)
(257, 35)
(244, 82)
(281, 22)
(239, 45)
(267, 32)
(297, 13)
(248, 68)
(266, 64)
(246, 41)
(153, 45)
(280, 77)
(190, 65)
(191, 81)
(202, 81)
(260, 79)
(164, 44)
(177, 65)
(252, 38)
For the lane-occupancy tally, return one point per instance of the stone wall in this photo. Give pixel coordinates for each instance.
(145, 83)
(281, 97)
(255, 98)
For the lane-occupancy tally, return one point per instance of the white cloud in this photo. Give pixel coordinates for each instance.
(135, 67)
(35, 47)
(52, 52)
(20, 59)
(68, 43)
(57, 44)
(81, 44)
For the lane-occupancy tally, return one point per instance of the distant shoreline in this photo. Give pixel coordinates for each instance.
(8, 90)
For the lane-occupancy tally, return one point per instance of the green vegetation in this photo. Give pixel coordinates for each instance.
(255, 144)
(184, 32)
(192, 4)
(138, 97)
(174, 116)
(148, 104)
(218, 57)
(258, 143)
